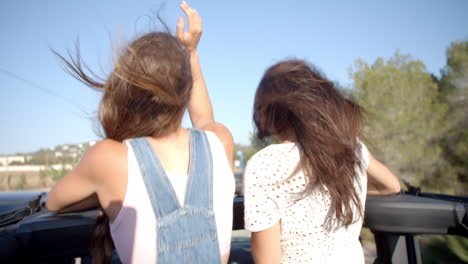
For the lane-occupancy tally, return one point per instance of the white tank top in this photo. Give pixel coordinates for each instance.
(133, 230)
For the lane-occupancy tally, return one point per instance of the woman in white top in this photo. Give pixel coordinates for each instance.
(304, 197)
(154, 81)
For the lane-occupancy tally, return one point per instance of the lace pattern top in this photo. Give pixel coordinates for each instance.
(273, 182)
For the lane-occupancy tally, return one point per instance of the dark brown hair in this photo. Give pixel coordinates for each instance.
(295, 102)
(145, 95)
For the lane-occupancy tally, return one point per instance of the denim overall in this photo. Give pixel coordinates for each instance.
(187, 233)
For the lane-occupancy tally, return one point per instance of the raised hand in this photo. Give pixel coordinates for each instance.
(191, 37)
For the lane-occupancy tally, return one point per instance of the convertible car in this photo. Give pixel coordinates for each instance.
(29, 233)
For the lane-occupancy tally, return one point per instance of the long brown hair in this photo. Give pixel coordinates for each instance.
(295, 102)
(146, 94)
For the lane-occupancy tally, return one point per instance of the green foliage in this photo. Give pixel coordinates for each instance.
(459, 246)
(43, 177)
(444, 249)
(454, 84)
(404, 115)
(42, 174)
(254, 146)
(22, 182)
(249, 151)
(262, 143)
(57, 174)
(8, 181)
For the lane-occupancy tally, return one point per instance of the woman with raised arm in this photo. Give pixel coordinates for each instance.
(304, 197)
(166, 191)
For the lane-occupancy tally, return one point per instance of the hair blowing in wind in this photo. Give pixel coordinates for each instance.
(146, 94)
(296, 102)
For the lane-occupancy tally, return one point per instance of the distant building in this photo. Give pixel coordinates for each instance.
(57, 153)
(7, 160)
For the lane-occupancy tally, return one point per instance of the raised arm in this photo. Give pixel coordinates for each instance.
(200, 109)
(381, 181)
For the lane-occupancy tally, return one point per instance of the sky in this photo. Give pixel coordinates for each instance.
(42, 106)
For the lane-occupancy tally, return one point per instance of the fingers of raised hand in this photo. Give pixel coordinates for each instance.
(194, 19)
(180, 28)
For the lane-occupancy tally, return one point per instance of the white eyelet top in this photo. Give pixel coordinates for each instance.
(272, 184)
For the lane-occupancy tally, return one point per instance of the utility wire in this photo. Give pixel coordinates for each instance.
(45, 90)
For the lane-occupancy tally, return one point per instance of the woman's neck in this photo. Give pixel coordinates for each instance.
(173, 136)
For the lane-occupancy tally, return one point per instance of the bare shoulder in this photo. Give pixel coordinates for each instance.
(107, 145)
(106, 151)
(225, 136)
(106, 157)
(221, 131)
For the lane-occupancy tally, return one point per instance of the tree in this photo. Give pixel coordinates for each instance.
(454, 85)
(404, 115)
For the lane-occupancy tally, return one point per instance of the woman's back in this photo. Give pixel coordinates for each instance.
(134, 229)
(273, 189)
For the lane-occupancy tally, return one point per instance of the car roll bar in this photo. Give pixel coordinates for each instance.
(394, 221)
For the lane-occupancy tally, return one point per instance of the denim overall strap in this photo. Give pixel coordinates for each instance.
(199, 192)
(160, 191)
(186, 234)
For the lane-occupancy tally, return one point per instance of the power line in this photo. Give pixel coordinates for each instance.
(45, 90)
